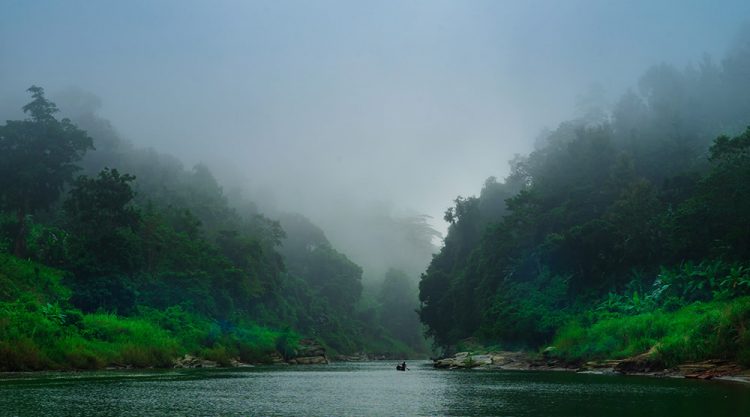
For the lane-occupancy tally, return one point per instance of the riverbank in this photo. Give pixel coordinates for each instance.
(644, 364)
(40, 337)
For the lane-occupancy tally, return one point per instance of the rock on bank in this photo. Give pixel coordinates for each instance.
(309, 352)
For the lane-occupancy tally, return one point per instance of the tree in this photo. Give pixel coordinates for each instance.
(97, 206)
(716, 221)
(398, 298)
(37, 158)
(105, 250)
(255, 270)
(334, 277)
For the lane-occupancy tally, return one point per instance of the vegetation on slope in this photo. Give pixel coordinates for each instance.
(620, 232)
(136, 260)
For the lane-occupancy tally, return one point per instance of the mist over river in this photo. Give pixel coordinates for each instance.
(364, 389)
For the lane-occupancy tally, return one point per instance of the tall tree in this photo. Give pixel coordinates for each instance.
(99, 211)
(37, 158)
(105, 250)
(398, 298)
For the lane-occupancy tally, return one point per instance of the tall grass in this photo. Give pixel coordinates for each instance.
(35, 336)
(22, 278)
(39, 330)
(699, 331)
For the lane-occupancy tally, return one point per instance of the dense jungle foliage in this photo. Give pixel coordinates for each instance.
(114, 255)
(622, 231)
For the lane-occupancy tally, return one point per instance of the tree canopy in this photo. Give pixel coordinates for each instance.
(37, 158)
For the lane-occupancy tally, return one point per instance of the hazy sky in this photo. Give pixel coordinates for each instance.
(330, 102)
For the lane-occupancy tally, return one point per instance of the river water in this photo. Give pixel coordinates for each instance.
(364, 389)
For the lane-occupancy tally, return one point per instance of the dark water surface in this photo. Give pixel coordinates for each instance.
(364, 389)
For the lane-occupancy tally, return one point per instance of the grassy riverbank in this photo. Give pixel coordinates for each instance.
(40, 330)
(699, 331)
(689, 313)
(38, 336)
(703, 339)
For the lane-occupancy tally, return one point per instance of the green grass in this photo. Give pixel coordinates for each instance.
(35, 337)
(39, 330)
(698, 331)
(21, 278)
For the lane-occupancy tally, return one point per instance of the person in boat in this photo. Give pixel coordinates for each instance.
(402, 366)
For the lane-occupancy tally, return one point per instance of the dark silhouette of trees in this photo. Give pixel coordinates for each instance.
(37, 158)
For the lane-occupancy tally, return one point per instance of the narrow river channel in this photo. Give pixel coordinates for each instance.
(364, 389)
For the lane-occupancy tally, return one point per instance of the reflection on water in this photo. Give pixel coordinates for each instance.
(364, 389)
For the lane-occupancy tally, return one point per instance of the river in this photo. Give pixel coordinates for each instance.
(364, 389)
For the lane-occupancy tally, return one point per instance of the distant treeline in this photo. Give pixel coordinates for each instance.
(617, 224)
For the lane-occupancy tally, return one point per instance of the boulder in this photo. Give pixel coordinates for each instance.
(309, 347)
(500, 360)
(310, 360)
(480, 360)
(444, 363)
(190, 361)
(510, 360)
(309, 352)
(235, 363)
(276, 358)
(463, 360)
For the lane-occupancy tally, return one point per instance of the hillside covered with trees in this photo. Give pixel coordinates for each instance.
(111, 255)
(623, 231)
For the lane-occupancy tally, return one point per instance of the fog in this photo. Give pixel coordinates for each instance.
(347, 111)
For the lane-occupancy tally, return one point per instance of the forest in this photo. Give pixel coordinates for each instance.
(624, 231)
(113, 255)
